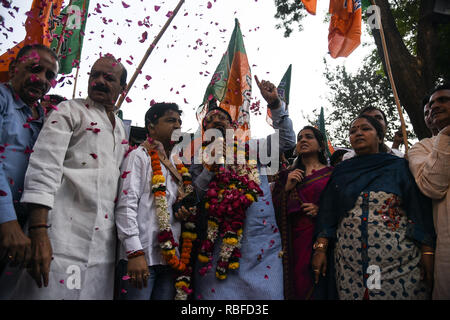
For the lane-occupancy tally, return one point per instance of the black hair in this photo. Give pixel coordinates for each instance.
(336, 157)
(378, 128)
(27, 48)
(298, 163)
(30, 47)
(445, 86)
(218, 109)
(56, 98)
(158, 110)
(371, 108)
(123, 76)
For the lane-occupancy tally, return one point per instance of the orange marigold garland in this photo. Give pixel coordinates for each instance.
(165, 237)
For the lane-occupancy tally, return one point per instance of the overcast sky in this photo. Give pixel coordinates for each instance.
(187, 55)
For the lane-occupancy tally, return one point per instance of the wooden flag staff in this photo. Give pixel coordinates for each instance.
(147, 54)
(391, 79)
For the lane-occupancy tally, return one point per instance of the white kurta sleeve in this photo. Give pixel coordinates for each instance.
(132, 183)
(429, 161)
(45, 169)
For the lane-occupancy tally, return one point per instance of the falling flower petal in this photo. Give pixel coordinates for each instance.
(28, 150)
(157, 8)
(124, 174)
(144, 37)
(209, 5)
(125, 5)
(93, 155)
(125, 278)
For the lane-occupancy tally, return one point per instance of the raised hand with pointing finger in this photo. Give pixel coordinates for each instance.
(269, 92)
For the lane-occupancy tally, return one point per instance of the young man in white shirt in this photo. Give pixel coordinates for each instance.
(144, 273)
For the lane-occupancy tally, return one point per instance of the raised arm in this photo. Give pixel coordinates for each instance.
(280, 117)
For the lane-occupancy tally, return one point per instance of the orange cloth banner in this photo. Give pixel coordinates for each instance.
(345, 27)
(310, 6)
(39, 26)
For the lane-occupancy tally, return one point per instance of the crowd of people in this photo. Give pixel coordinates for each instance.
(85, 216)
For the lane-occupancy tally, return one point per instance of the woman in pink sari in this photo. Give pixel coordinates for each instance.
(296, 196)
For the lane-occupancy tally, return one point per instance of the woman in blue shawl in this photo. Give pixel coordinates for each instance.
(380, 224)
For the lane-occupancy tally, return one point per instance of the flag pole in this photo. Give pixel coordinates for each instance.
(63, 30)
(391, 80)
(147, 54)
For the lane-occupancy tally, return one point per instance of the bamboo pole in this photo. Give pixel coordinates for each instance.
(391, 79)
(147, 54)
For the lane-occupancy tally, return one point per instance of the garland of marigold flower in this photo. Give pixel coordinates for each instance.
(165, 237)
(228, 197)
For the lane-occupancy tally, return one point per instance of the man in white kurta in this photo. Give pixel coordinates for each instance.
(73, 174)
(429, 161)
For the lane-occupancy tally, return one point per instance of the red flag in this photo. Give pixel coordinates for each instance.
(345, 27)
(310, 6)
(39, 26)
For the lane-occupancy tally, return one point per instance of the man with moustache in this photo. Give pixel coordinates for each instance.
(21, 119)
(429, 161)
(71, 186)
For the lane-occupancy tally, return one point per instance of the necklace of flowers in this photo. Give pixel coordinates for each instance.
(229, 195)
(181, 265)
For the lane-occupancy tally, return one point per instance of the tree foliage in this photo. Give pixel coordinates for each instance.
(352, 92)
(418, 42)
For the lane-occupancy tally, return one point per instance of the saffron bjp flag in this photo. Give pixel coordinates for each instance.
(230, 85)
(40, 25)
(344, 33)
(321, 127)
(70, 31)
(310, 6)
(283, 92)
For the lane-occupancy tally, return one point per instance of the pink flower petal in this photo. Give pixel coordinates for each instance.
(209, 5)
(125, 278)
(157, 8)
(93, 155)
(125, 5)
(124, 174)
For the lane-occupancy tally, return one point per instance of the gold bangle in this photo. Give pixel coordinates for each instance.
(428, 253)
